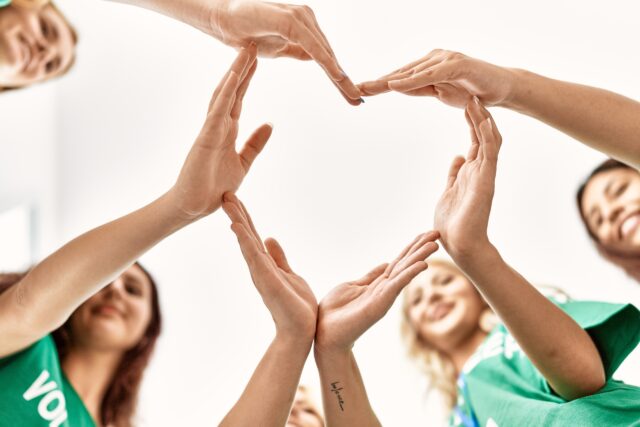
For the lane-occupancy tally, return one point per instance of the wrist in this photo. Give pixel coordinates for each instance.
(519, 88)
(293, 342)
(484, 257)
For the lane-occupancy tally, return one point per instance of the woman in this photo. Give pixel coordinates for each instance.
(603, 120)
(47, 297)
(37, 43)
(547, 364)
(333, 326)
(609, 205)
(483, 374)
(103, 349)
(304, 412)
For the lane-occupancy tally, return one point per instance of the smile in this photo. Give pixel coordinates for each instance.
(629, 225)
(439, 311)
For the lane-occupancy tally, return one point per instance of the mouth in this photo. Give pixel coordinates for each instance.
(439, 311)
(107, 310)
(629, 225)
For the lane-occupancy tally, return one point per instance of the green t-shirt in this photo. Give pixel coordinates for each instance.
(35, 392)
(499, 386)
(4, 3)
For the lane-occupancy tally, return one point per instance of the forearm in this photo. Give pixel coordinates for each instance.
(601, 119)
(72, 274)
(344, 395)
(201, 14)
(561, 350)
(267, 399)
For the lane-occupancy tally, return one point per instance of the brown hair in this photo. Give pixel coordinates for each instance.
(120, 400)
(74, 37)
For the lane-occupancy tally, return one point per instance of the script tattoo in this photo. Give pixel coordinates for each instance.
(336, 390)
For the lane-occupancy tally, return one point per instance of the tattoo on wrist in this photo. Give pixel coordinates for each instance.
(336, 390)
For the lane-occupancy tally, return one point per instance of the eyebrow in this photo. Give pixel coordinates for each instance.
(607, 188)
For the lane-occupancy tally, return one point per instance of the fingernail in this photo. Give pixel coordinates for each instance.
(362, 100)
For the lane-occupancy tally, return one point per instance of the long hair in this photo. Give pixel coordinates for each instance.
(436, 365)
(630, 263)
(120, 400)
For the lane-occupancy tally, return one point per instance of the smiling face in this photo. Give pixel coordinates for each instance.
(610, 206)
(443, 307)
(36, 44)
(116, 318)
(304, 412)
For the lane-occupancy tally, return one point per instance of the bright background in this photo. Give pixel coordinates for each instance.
(342, 188)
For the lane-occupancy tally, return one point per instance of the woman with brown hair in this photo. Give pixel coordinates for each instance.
(103, 348)
(609, 205)
(100, 303)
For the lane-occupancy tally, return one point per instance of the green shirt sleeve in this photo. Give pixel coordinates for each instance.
(4, 3)
(614, 328)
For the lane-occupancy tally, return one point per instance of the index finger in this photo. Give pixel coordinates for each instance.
(309, 41)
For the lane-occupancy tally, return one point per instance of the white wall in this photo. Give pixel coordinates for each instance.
(343, 188)
(28, 166)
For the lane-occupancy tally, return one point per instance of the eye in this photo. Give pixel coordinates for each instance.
(621, 189)
(447, 279)
(133, 289)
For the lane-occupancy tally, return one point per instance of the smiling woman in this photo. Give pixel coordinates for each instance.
(609, 204)
(36, 44)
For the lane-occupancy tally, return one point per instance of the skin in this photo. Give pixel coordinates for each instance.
(340, 318)
(102, 329)
(36, 44)
(598, 118)
(57, 286)
(561, 350)
(611, 206)
(278, 30)
(444, 309)
(304, 413)
(346, 313)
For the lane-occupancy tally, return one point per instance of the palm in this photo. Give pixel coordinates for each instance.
(213, 165)
(288, 297)
(462, 213)
(351, 308)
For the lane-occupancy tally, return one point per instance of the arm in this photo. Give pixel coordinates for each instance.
(603, 120)
(48, 295)
(279, 30)
(561, 350)
(346, 313)
(267, 399)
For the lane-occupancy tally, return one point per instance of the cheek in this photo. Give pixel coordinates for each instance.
(139, 318)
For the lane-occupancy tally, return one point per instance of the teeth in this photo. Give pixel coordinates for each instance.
(629, 225)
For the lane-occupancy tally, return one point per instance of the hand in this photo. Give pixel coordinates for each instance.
(451, 77)
(350, 309)
(462, 214)
(287, 296)
(213, 166)
(281, 30)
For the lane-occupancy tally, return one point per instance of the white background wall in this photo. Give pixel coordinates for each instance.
(342, 188)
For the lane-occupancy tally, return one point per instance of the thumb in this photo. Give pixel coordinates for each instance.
(278, 255)
(254, 145)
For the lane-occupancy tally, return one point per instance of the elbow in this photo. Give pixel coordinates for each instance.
(589, 382)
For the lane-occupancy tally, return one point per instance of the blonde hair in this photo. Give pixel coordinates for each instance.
(436, 365)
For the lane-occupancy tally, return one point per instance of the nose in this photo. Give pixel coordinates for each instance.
(115, 289)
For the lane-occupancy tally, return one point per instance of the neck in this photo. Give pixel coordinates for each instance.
(465, 349)
(90, 372)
